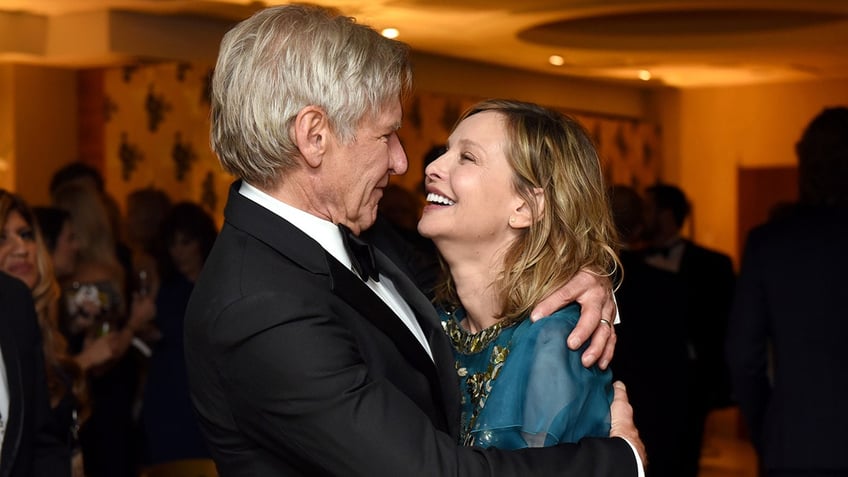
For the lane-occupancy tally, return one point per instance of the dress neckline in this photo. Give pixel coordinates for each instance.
(465, 341)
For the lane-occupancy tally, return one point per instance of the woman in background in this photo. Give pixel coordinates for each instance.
(170, 425)
(94, 305)
(517, 206)
(23, 255)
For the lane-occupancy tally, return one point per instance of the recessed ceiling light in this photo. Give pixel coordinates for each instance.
(390, 33)
(644, 75)
(556, 60)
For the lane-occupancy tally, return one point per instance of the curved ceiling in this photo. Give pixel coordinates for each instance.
(680, 43)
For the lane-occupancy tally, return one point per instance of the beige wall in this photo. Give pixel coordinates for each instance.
(7, 128)
(709, 133)
(42, 134)
(446, 75)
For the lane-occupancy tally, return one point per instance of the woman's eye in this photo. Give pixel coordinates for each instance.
(28, 235)
(467, 157)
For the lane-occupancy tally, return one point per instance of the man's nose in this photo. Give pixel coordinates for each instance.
(397, 156)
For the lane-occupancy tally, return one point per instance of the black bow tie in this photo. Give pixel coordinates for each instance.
(664, 251)
(361, 255)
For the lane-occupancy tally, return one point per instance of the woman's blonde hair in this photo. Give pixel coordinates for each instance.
(94, 231)
(285, 58)
(573, 230)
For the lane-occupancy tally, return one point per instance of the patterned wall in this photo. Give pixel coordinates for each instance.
(629, 149)
(156, 128)
(157, 133)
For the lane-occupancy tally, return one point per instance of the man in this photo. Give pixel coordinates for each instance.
(786, 340)
(27, 448)
(297, 364)
(651, 355)
(704, 284)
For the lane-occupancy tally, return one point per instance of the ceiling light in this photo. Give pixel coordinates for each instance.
(390, 33)
(644, 75)
(556, 60)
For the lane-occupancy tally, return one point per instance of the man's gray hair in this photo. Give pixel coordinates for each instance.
(285, 58)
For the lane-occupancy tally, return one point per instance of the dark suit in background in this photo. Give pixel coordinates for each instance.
(709, 282)
(791, 302)
(790, 307)
(29, 449)
(705, 282)
(651, 357)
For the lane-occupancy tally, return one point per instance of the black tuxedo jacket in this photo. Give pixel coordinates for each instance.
(791, 297)
(29, 448)
(708, 282)
(297, 368)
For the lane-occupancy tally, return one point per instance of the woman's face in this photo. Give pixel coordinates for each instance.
(185, 252)
(65, 254)
(470, 196)
(18, 249)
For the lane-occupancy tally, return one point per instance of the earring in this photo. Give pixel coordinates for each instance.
(512, 220)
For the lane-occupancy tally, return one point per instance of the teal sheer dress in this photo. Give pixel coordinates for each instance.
(521, 385)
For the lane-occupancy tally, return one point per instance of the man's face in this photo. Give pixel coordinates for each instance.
(357, 172)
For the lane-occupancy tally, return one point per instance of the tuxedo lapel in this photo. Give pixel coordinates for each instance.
(288, 240)
(436, 338)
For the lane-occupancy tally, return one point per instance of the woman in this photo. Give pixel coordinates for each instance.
(95, 304)
(23, 254)
(516, 207)
(170, 427)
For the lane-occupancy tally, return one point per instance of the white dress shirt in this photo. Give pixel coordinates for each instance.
(327, 235)
(4, 400)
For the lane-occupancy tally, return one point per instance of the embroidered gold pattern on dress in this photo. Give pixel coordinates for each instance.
(478, 385)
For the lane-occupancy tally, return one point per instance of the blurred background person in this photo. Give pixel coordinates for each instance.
(146, 208)
(706, 282)
(24, 256)
(82, 174)
(170, 425)
(788, 324)
(60, 239)
(95, 304)
(651, 351)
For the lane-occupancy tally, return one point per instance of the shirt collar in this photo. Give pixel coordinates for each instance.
(322, 231)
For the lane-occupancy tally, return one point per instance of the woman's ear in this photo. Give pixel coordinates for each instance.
(522, 216)
(311, 130)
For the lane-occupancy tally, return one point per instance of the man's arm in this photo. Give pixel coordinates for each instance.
(594, 294)
(302, 389)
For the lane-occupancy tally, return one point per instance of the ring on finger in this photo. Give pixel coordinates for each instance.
(603, 321)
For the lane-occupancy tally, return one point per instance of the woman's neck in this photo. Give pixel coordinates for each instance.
(473, 277)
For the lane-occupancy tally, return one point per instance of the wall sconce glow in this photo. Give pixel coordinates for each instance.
(556, 60)
(644, 75)
(390, 33)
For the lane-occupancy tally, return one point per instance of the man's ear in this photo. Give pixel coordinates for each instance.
(311, 129)
(522, 216)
